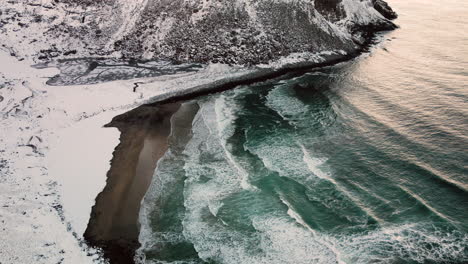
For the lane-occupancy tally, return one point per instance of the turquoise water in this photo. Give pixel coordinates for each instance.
(364, 162)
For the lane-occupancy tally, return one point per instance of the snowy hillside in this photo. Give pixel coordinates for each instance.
(233, 32)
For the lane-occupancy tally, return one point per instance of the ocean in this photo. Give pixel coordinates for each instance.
(362, 162)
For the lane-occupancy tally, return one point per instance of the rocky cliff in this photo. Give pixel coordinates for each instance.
(226, 31)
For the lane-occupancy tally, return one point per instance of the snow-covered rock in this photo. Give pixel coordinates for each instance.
(228, 31)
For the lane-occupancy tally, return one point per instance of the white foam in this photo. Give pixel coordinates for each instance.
(202, 199)
(206, 141)
(282, 236)
(418, 242)
(279, 240)
(426, 204)
(225, 118)
(296, 216)
(289, 107)
(314, 163)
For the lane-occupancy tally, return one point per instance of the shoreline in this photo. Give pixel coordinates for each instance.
(114, 226)
(261, 75)
(264, 74)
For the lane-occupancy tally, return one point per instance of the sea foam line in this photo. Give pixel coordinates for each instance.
(225, 118)
(298, 218)
(423, 202)
(312, 164)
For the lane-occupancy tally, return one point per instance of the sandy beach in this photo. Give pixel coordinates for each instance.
(114, 219)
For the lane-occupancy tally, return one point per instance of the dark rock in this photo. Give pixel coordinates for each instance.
(71, 52)
(93, 65)
(383, 8)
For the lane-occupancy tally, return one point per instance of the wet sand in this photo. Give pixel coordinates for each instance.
(113, 224)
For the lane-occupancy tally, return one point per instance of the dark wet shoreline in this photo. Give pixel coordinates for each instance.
(369, 33)
(113, 224)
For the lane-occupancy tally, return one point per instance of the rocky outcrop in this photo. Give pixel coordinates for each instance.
(248, 32)
(203, 31)
(383, 8)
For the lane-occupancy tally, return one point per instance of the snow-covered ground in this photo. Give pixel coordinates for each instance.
(33, 226)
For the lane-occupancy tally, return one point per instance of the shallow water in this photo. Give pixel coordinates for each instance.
(364, 162)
